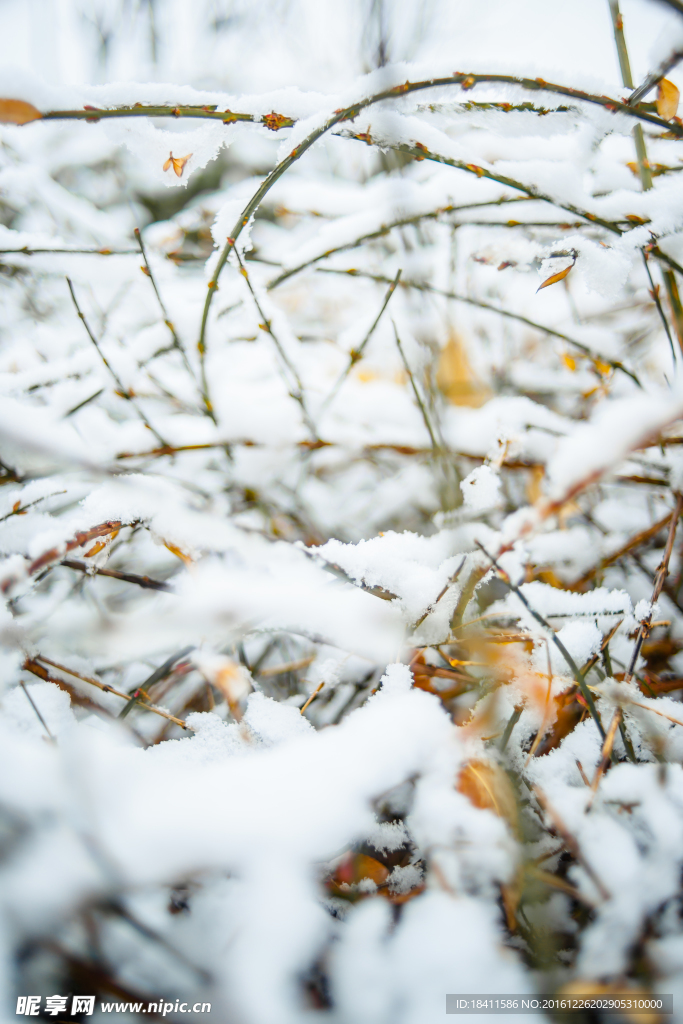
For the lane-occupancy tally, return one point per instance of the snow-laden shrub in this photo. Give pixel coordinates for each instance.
(342, 618)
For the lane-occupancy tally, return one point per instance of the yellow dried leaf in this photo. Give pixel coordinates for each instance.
(18, 112)
(233, 681)
(229, 677)
(368, 867)
(487, 786)
(178, 553)
(667, 99)
(511, 895)
(96, 548)
(456, 379)
(177, 163)
(534, 487)
(365, 376)
(569, 361)
(602, 368)
(555, 278)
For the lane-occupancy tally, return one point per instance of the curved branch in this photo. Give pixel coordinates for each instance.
(676, 4)
(421, 152)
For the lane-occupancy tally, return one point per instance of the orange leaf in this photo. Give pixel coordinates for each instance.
(178, 553)
(487, 786)
(96, 548)
(18, 112)
(602, 368)
(555, 278)
(177, 163)
(357, 866)
(667, 99)
(569, 361)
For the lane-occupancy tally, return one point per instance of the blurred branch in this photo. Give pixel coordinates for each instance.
(424, 287)
(655, 77)
(122, 391)
(164, 312)
(298, 390)
(127, 577)
(357, 354)
(432, 437)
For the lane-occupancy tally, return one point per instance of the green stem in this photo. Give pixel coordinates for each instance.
(418, 399)
(357, 354)
(164, 312)
(645, 171)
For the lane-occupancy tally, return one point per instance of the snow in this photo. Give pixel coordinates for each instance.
(481, 488)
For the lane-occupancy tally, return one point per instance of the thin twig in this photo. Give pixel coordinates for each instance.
(31, 666)
(33, 704)
(20, 510)
(127, 577)
(177, 344)
(644, 169)
(654, 292)
(435, 444)
(26, 251)
(512, 722)
(357, 354)
(386, 228)
(313, 696)
(297, 392)
(569, 841)
(156, 677)
(444, 590)
(655, 77)
(661, 573)
(575, 670)
(117, 380)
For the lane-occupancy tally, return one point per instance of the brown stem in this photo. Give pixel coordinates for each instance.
(127, 577)
(569, 841)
